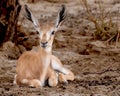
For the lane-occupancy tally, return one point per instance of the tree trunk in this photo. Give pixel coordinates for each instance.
(9, 12)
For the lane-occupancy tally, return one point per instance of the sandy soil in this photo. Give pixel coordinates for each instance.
(96, 65)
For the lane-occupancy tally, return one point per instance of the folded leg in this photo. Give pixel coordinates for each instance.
(52, 77)
(27, 82)
(64, 73)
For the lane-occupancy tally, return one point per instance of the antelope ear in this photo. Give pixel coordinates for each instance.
(28, 14)
(61, 16)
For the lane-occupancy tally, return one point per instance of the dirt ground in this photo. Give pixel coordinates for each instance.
(95, 64)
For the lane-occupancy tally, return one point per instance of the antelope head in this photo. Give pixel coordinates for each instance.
(47, 31)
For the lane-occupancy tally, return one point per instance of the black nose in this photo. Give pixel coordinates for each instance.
(44, 44)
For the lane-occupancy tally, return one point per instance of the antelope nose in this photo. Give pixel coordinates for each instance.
(44, 44)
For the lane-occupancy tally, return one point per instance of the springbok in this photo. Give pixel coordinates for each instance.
(34, 68)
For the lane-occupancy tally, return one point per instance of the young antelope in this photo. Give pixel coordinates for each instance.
(34, 68)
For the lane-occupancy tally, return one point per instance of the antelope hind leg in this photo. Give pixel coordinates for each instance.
(32, 83)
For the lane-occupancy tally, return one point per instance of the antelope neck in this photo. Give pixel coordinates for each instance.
(46, 50)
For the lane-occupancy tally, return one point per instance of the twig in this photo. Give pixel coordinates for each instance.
(110, 39)
(117, 39)
(86, 73)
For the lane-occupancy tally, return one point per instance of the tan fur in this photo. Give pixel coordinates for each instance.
(34, 68)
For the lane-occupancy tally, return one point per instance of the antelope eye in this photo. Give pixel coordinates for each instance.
(53, 32)
(37, 32)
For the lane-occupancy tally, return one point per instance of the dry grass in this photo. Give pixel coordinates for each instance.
(106, 28)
